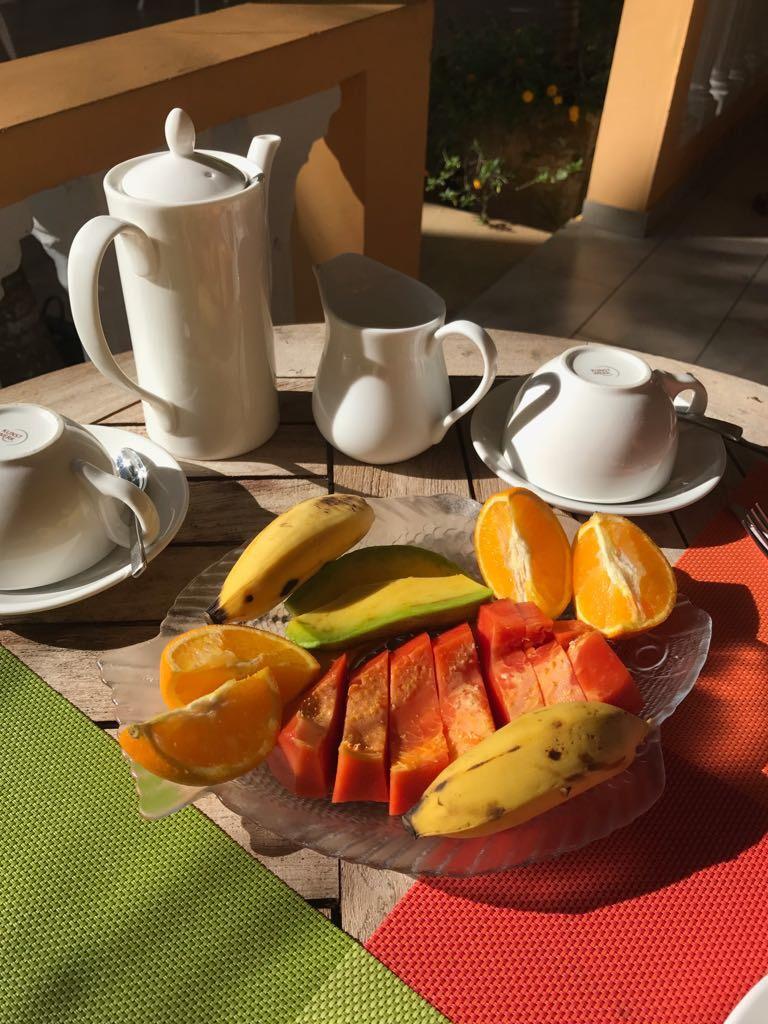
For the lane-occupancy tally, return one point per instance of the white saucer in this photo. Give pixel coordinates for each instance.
(698, 469)
(753, 1008)
(167, 487)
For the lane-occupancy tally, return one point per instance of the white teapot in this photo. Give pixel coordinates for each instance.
(190, 233)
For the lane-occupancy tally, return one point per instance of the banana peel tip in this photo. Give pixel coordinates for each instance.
(408, 826)
(216, 613)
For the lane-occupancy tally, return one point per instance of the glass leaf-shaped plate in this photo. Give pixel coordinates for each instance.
(665, 663)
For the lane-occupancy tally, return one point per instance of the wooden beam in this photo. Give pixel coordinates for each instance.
(79, 110)
(90, 73)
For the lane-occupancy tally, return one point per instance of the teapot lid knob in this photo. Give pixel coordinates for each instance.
(180, 132)
(182, 174)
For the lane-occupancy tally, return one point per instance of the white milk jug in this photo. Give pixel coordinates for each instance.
(382, 392)
(190, 232)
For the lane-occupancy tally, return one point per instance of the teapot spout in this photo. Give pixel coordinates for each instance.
(262, 152)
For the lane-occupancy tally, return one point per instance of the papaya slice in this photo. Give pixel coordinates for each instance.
(553, 670)
(419, 751)
(361, 772)
(461, 691)
(602, 674)
(304, 759)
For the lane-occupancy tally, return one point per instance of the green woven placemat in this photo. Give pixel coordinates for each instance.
(107, 918)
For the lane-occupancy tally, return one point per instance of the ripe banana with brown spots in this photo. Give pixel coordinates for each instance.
(527, 767)
(288, 551)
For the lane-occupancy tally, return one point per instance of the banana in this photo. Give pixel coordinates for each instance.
(527, 767)
(288, 551)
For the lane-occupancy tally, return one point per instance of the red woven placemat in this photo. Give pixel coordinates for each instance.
(666, 921)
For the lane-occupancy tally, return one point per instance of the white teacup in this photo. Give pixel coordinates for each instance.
(596, 424)
(60, 499)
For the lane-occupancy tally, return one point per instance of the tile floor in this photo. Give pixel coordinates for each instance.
(697, 290)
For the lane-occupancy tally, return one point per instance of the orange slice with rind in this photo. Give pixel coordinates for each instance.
(214, 738)
(622, 581)
(197, 662)
(522, 550)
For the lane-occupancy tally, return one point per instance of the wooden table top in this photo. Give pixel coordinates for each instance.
(230, 501)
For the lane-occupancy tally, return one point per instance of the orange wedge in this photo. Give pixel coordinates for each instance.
(621, 580)
(522, 550)
(213, 739)
(198, 661)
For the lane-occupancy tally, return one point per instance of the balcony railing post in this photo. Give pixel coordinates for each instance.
(15, 224)
(673, 94)
(727, 75)
(369, 171)
(645, 107)
(701, 102)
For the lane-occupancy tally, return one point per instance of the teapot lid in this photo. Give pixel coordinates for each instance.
(183, 174)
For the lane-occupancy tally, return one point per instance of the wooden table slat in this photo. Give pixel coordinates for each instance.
(148, 598)
(295, 450)
(235, 510)
(231, 500)
(65, 657)
(294, 394)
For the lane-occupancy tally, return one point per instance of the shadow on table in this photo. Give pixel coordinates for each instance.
(268, 844)
(723, 528)
(713, 593)
(698, 822)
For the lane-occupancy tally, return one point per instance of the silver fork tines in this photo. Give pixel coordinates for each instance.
(755, 522)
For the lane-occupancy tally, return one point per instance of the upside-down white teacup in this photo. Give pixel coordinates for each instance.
(596, 424)
(60, 499)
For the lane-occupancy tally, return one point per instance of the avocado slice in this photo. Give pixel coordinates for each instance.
(385, 609)
(376, 564)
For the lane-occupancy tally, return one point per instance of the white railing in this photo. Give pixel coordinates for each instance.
(732, 53)
(684, 74)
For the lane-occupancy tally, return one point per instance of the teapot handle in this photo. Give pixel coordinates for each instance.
(85, 257)
(480, 338)
(675, 383)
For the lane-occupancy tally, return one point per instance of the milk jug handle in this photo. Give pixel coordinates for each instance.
(677, 383)
(480, 338)
(85, 256)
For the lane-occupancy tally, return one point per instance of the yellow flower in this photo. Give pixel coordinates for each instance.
(551, 90)
(477, 184)
(557, 100)
(527, 96)
(573, 114)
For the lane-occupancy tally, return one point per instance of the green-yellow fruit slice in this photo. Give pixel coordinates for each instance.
(375, 564)
(385, 609)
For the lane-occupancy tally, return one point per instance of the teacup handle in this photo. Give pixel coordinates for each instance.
(85, 256)
(480, 338)
(129, 494)
(675, 383)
